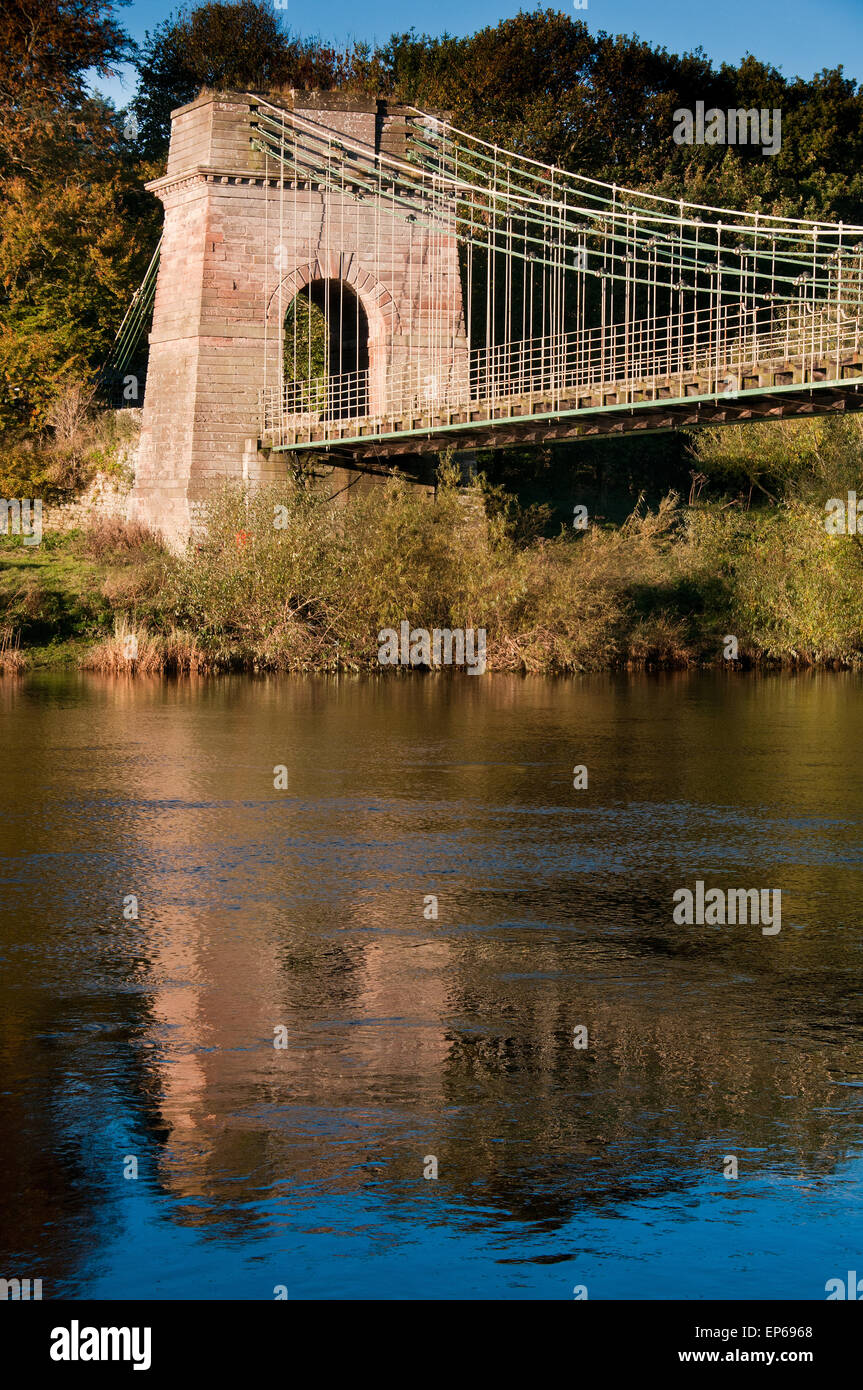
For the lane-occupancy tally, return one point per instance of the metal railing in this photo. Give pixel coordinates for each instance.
(715, 342)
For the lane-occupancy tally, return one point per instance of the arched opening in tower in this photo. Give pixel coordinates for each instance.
(326, 350)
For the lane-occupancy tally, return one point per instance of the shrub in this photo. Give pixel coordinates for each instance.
(317, 587)
(78, 441)
(807, 460)
(112, 536)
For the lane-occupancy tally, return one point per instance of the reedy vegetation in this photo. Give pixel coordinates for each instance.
(314, 591)
(663, 589)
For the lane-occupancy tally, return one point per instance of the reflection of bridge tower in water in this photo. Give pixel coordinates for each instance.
(277, 278)
(236, 937)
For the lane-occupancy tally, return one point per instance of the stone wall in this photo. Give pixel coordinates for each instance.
(107, 495)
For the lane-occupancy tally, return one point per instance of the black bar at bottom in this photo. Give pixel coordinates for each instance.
(84, 1340)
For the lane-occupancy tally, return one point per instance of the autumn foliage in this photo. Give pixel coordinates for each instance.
(77, 228)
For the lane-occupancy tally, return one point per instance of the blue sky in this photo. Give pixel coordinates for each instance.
(797, 36)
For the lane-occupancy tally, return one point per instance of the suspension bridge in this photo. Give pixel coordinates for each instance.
(366, 281)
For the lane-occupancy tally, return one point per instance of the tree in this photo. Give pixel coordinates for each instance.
(603, 105)
(76, 228)
(232, 46)
(46, 49)
(70, 258)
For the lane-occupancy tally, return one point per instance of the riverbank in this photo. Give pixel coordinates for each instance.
(282, 580)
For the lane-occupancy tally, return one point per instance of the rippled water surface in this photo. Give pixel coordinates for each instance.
(409, 1037)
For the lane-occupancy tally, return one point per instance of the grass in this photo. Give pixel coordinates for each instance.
(60, 597)
(665, 589)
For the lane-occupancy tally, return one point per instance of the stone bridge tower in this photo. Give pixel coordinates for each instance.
(216, 338)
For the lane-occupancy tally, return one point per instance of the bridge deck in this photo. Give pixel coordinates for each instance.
(804, 385)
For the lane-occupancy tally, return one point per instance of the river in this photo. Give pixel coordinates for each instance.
(243, 1025)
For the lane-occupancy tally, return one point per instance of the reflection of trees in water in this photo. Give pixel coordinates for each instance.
(668, 1086)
